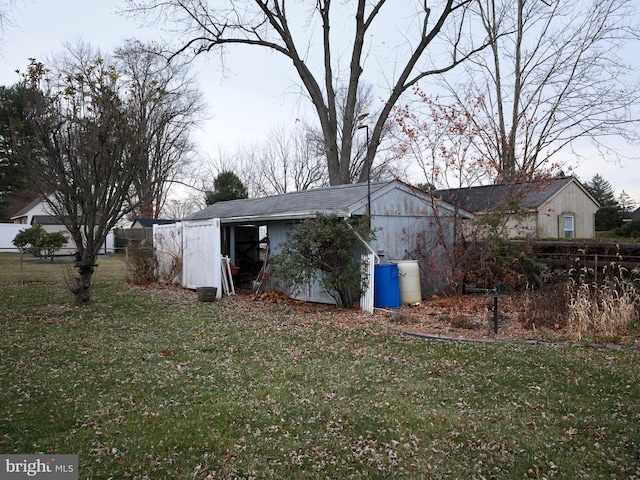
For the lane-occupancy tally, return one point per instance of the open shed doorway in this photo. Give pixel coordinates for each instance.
(246, 246)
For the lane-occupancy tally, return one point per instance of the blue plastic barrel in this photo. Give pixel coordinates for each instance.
(386, 286)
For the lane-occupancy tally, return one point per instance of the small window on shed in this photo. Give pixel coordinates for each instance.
(569, 225)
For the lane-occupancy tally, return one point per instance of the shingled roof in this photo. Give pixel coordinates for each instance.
(529, 195)
(339, 200)
(150, 222)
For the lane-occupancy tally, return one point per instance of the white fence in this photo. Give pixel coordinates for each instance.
(8, 232)
(167, 240)
(199, 244)
(367, 265)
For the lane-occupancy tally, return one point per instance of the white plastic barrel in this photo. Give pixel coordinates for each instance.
(409, 273)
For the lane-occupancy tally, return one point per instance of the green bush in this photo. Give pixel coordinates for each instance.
(326, 249)
(37, 241)
(628, 230)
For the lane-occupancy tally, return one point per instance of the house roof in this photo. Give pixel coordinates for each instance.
(27, 208)
(150, 222)
(337, 200)
(529, 195)
(46, 220)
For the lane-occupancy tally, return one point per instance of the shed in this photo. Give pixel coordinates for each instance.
(402, 216)
(548, 208)
(150, 222)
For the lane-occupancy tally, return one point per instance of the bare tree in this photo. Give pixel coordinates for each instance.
(553, 75)
(304, 35)
(80, 155)
(6, 19)
(281, 163)
(284, 162)
(163, 107)
(446, 141)
(293, 160)
(177, 209)
(384, 164)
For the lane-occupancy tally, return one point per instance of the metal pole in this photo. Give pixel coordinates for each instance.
(368, 178)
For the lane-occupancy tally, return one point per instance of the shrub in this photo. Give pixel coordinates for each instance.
(324, 249)
(545, 307)
(37, 241)
(493, 262)
(142, 265)
(628, 230)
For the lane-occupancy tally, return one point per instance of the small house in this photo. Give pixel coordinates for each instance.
(38, 213)
(145, 223)
(548, 208)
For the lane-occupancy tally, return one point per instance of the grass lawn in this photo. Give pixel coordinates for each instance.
(148, 383)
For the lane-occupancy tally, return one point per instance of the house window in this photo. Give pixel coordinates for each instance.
(569, 226)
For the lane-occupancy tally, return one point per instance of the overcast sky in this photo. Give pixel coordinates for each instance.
(256, 96)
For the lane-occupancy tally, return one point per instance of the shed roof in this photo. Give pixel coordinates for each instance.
(529, 195)
(150, 222)
(338, 200)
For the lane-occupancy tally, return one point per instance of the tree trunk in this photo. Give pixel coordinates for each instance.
(83, 283)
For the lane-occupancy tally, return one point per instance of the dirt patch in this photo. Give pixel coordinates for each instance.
(467, 317)
(461, 317)
(471, 317)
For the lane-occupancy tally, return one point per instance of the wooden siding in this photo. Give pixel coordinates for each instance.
(571, 199)
(547, 221)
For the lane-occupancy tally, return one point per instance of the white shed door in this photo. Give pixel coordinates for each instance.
(202, 255)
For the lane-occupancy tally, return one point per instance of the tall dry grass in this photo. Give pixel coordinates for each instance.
(604, 311)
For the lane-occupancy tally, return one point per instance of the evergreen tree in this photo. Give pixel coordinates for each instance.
(12, 127)
(625, 204)
(609, 215)
(226, 186)
(602, 191)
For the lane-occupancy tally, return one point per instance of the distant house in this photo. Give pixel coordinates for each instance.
(38, 213)
(402, 216)
(150, 222)
(35, 208)
(139, 232)
(550, 208)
